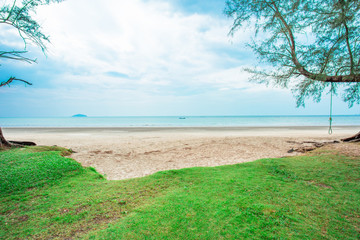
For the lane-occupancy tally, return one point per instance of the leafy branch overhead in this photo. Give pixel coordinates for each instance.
(310, 44)
(18, 15)
(11, 79)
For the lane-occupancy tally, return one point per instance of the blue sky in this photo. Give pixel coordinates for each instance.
(141, 58)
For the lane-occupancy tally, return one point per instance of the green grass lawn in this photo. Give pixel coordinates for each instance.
(47, 196)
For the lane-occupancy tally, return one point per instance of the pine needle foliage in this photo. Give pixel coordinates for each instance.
(310, 45)
(19, 15)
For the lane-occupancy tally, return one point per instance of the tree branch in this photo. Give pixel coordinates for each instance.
(318, 77)
(16, 55)
(349, 48)
(11, 79)
(328, 56)
(343, 15)
(11, 11)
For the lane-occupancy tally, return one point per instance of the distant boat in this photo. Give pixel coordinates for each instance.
(79, 115)
(182, 117)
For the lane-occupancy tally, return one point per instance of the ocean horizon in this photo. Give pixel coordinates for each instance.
(181, 121)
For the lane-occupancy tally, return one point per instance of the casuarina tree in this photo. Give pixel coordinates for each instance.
(19, 16)
(310, 46)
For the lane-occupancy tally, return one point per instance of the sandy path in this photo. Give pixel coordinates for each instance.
(122, 153)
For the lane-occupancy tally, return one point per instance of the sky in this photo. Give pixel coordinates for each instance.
(142, 58)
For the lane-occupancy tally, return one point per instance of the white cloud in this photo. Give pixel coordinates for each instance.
(151, 42)
(10, 37)
(140, 57)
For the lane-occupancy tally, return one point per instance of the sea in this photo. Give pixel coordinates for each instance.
(180, 121)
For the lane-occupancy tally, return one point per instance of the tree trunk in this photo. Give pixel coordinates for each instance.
(355, 138)
(3, 142)
(8, 144)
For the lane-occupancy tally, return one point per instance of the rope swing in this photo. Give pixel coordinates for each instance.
(331, 102)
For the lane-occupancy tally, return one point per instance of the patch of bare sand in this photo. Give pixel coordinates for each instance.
(347, 149)
(129, 153)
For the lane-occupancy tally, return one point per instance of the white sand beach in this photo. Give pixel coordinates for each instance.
(122, 153)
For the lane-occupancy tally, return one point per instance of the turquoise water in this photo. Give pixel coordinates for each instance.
(188, 121)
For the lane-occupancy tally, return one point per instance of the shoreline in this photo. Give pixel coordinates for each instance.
(161, 128)
(281, 131)
(122, 153)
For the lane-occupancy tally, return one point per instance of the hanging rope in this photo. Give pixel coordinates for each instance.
(331, 102)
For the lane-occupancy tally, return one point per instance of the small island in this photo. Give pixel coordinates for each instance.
(79, 115)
